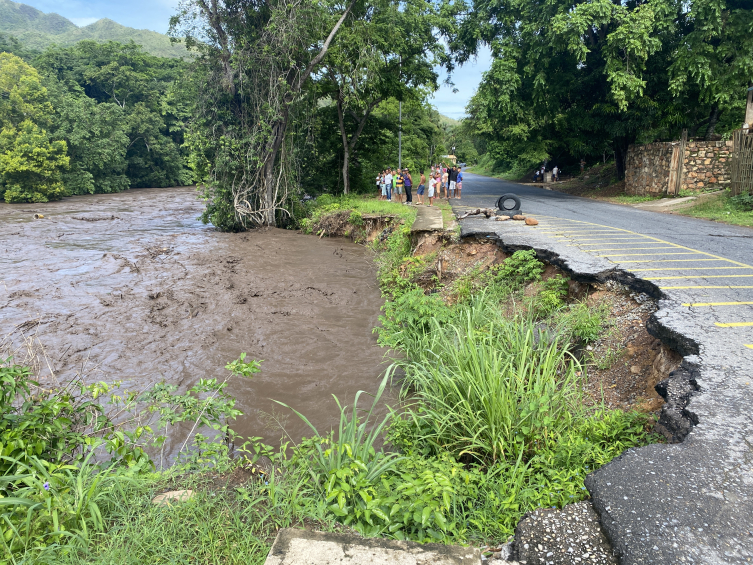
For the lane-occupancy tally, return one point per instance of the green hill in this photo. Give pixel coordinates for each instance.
(37, 30)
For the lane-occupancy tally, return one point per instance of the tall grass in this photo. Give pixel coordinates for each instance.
(491, 387)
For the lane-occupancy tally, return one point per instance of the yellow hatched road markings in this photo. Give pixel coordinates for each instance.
(582, 232)
(693, 268)
(650, 254)
(657, 240)
(605, 239)
(675, 261)
(733, 324)
(698, 304)
(623, 248)
(684, 287)
(699, 276)
(637, 240)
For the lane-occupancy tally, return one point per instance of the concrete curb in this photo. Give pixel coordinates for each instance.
(304, 547)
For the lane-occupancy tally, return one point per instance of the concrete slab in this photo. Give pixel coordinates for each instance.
(302, 547)
(666, 203)
(428, 218)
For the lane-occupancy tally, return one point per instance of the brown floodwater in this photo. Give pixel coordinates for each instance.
(132, 287)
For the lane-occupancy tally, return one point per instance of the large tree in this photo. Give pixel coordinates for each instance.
(255, 58)
(31, 165)
(593, 76)
(388, 50)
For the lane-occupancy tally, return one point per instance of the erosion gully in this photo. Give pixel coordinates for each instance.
(132, 287)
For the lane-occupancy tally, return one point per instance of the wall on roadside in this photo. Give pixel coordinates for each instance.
(706, 165)
(647, 169)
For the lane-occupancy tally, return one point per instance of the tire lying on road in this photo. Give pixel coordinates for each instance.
(504, 200)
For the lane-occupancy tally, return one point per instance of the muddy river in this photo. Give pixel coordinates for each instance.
(131, 287)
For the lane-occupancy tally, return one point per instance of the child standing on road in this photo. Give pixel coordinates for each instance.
(421, 188)
(432, 188)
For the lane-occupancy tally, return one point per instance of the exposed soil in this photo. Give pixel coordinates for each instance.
(623, 366)
(131, 287)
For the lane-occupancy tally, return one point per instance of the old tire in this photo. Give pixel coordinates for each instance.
(504, 200)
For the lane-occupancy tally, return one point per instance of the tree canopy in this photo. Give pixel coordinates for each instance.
(572, 80)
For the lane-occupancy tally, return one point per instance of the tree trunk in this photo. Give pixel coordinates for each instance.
(275, 142)
(620, 156)
(344, 137)
(713, 120)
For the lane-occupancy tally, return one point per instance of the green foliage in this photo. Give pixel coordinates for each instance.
(30, 164)
(520, 269)
(551, 296)
(97, 140)
(50, 488)
(139, 130)
(408, 317)
(587, 80)
(583, 323)
(744, 201)
(488, 388)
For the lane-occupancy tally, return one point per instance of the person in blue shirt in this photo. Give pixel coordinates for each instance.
(459, 182)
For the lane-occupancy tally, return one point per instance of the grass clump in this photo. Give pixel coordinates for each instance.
(737, 210)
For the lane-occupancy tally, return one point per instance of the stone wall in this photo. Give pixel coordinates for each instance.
(647, 168)
(705, 166)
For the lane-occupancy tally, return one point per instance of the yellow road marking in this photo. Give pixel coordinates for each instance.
(679, 287)
(641, 243)
(748, 345)
(650, 254)
(623, 248)
(700, 277)
(661, 241)
(716, 303)
(693, 268)
(733, 324)
(675, 261)
(604, 239)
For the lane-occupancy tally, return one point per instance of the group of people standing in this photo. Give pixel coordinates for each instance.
(396, 184)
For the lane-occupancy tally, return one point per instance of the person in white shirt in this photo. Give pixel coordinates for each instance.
(388, 182)
(432, 187)
(556, 173)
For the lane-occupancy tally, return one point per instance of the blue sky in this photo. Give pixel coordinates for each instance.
(154, 15)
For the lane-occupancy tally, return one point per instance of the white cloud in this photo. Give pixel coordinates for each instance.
(81, 22)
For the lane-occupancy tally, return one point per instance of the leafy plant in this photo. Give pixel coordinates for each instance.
(583, 323)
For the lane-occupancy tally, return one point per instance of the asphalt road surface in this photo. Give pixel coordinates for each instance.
(689, 502)
(732, 242)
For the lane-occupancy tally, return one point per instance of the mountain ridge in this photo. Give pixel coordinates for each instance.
(38, 30)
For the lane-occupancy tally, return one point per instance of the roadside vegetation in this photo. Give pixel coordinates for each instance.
(493, 421)
(736, 210)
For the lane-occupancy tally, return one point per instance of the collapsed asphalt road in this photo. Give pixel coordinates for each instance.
(687, 502)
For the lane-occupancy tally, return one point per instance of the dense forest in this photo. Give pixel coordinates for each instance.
(289, 97)
(587, 79)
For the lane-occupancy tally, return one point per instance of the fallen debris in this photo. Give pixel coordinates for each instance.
(488, 212)
(166, 498)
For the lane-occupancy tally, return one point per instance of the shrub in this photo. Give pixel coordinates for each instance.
(520, 269)
(583, 323)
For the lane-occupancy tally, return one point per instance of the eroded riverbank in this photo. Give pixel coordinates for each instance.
(132, 287)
